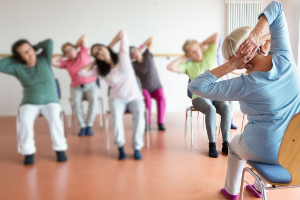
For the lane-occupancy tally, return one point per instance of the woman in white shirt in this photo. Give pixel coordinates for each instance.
(117, 71)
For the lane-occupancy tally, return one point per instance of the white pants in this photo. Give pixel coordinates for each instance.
(137, 108)
(27, 115)
(237, 156)
(91, 93)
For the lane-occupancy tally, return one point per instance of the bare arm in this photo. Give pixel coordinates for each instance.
(82, 41)
(56, 61)
(173, 66)
(116, 39)
(90, 65)
(214, 38)
(148, 43)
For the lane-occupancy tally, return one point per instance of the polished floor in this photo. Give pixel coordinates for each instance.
(170, 169)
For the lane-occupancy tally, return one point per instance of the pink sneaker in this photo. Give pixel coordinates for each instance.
(254, 191)
(229, 196)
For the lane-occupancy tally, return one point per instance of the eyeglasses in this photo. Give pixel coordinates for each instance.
(68, 51)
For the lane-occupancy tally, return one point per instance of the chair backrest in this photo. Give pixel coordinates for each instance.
(189, 93)
(289, 152)
(98, 82)
(58, 88)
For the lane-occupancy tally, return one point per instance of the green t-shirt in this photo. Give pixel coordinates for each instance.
(194, 69)
(38, 82)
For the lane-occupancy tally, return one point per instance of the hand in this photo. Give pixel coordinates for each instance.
(252, 43)
(241, 60)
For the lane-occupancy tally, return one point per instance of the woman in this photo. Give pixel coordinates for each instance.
(39, 95)
(117, 71)
(263, 93)
(145, 69)
(80, 86)
(198, 63)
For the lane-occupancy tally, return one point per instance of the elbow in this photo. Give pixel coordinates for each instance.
(170, 67)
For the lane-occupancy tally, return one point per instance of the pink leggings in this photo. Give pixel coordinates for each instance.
(159, 96)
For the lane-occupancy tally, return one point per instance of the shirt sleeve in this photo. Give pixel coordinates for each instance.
(88, 73)
(182, 67)
(278, 28)
(47, 47)
(84, 49)
(7, 65)
(235, 89)
(124, 45)
(63, 63)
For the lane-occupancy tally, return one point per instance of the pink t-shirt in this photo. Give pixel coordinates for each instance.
(74, 66)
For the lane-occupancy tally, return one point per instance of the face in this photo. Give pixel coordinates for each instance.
(135, 54)
(101, 53)
(70, 52)
(195, 52)
(27, 54)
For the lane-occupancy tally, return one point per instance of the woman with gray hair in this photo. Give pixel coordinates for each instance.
(263, 93)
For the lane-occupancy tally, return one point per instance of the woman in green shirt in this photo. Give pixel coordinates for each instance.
(39, 95)
(194, 63)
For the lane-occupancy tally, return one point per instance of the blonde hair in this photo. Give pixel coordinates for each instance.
(65, 45)
(234, 40)
(187, 45)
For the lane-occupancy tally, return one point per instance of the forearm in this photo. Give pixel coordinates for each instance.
(6, 65)
(147, 43)
(173, 66)
(261, 26)
(56, 61)
(222, 70)
(214, 38)
(116, 39)
(82, 41)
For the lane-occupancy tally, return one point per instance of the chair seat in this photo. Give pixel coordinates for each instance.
(272, 173)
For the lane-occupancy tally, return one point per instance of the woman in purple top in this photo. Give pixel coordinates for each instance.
(145, 69)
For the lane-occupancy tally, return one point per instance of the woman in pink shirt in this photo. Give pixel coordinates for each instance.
(80, 86)
(117, 71)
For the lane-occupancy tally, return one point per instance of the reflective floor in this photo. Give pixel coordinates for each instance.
(170, 169)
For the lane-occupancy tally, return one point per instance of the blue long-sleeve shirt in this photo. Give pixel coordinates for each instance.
(270, 99)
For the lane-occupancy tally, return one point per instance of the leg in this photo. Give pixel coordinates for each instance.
(27, 116)
(77, 96)
(137, 108)
(147, 99)
(52, 112)
(159, 96)
(223, 109)
(231, 103)
(92, 96)
(117, 109)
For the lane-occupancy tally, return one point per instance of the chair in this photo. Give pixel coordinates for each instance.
(126, 112)
(62, 117)
(72, 110)
(287, 173)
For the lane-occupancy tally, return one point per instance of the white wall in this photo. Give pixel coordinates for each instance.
(170, 22)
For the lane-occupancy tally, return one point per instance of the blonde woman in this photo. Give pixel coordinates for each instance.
(193, 63)
(269, 94)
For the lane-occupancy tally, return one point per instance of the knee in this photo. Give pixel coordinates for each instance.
(211, 109)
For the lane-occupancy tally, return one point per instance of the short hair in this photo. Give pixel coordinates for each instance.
(15, 46)
(67, 44)
(187, 45)
(234, 40)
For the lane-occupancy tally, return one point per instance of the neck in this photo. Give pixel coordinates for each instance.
(261, 63)
(29, 65)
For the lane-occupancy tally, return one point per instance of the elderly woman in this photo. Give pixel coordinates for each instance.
(39, 95)
(193, 63)
(80, 86)
(263, 93)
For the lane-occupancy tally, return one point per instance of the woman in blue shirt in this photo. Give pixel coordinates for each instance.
(269, 94)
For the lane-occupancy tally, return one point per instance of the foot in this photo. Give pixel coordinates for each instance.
(233, 126)
(229, 196)
(212, 150)
(225, 147)
(137, 155)
(254, 191)
(61, 156)
(122, 154)
(147, 127)
(29, 159)
(161, 127)
(82, 132)
(89, 131)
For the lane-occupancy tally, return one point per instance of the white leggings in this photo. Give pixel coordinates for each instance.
(27, 115)
(237, 156)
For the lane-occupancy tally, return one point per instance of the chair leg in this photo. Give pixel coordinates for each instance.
(147, 133)
(264, 194)
(243, 123)
(191, 123)
(107, 131)
(186, 114)
(241, 196)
